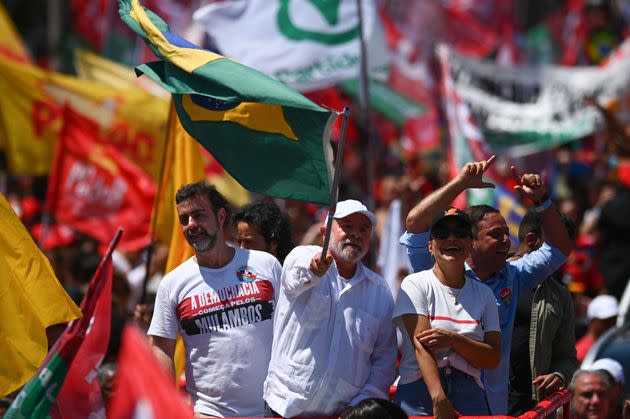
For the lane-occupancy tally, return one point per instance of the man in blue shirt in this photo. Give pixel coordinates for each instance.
(491, 244)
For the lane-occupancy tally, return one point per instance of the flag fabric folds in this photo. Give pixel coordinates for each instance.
(96, 68)
(31, 117)
(31, 299)
(141, 387)
(271, 139)
(95, 189)
(306, 44)
(183, 164)
(76, 354)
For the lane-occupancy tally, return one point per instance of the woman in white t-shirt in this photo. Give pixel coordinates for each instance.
(450, 328)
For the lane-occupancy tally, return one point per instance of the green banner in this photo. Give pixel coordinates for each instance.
(38, 395)
(392, 105)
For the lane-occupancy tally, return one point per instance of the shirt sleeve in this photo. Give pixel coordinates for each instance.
(490, 319)
(164, 323)
(412, 296)
(533, 268)
(276, 273)
(417, 250)
(297, 276)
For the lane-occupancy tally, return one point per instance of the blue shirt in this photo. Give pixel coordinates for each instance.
(506, 284)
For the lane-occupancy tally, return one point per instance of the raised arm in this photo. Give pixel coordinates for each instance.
(532, 187)
(471, 176)
(303, 269)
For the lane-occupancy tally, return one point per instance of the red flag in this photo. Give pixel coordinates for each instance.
(80, 396)
(76, 353)
(95, 189)
(91, 19)
(52, 236)
(141, 387)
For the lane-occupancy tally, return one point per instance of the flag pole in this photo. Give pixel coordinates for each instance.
(334, 190)
(156, 203)
(364, 106)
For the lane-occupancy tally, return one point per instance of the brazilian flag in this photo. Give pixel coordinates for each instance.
(270, 138)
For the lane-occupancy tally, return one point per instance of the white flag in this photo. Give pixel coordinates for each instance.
(306, 44)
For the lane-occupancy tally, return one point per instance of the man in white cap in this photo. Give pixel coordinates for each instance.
(334, 343)
(616, 391)
(601, 315)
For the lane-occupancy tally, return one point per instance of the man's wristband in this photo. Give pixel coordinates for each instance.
(540, 207)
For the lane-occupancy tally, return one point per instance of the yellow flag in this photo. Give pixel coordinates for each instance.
(182, 165)
(31, 113)
(94, 67)
(11, 47)
(31, 299)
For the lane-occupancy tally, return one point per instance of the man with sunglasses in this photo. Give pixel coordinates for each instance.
(491, 244)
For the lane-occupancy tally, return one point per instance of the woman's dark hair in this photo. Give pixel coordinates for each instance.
(270, 222)
(376, 409)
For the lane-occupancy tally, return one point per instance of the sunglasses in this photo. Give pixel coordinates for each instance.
(460, 232)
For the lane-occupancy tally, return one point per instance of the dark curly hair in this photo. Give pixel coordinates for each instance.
(270, 222)
(203, 188)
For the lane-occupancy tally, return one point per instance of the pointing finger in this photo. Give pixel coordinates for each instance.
(516, 176)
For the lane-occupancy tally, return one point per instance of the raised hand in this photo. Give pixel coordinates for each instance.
(529, 185)
(471, 174)
(319, 266)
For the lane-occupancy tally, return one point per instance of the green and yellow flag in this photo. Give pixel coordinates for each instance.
(31, 299)
(270, 138)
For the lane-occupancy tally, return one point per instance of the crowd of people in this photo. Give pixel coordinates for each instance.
(476, 325)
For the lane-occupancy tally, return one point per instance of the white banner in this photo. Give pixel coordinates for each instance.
(305, 44)
(526, 109)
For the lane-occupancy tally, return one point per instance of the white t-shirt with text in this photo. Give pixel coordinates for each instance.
(225, 318)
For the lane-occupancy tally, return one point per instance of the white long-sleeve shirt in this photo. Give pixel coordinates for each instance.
(334, 342)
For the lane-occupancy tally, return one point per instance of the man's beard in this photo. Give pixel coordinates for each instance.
(346, 253)
(201, 242)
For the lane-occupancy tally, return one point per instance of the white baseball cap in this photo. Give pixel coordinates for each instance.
(602, 307)
(352, 206)
(613, 367)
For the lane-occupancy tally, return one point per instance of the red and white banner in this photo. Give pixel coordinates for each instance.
(95, 189)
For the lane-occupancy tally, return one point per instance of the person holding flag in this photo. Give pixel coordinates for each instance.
(334, 343)
(221, 302)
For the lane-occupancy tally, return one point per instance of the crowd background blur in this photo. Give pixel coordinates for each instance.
(414, 144)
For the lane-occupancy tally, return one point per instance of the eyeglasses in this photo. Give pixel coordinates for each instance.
(460, 232)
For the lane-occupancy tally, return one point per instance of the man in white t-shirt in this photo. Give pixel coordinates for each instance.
(334, 343)
(221, 301)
